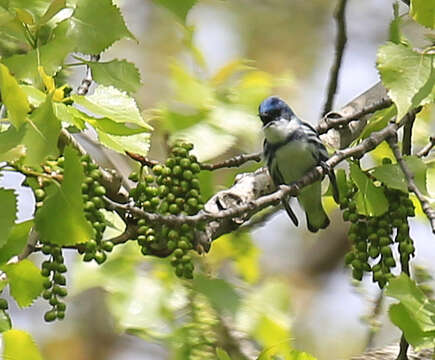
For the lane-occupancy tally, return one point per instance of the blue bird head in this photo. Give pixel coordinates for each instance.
(274, 108)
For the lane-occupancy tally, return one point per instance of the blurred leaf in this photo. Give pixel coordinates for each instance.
(8, 201)
(24, 16)
(69, 114)
(113, 104)
(35, 96)
(378, 121)
(178, 8)
(53, 9)
(208, 141)
(253, 88)
(13, 98)
(423, 11)
(395, 33)
(415, 313)
(61, 219)
(121, 74)
(228, 70)
(36, 7)
(222, 354)
(5, 321)
(370, 200)
(16, 241)
(220, 293)
(96, 25)
(274, 337)
(392, 176)
(404, 72)
(173, 120)
(418, 168)
(383, 150)
(190, 90)
(139, 143)
(42, 134)
(50, 56)
(25, 281)
(19, 345)
(113, 128)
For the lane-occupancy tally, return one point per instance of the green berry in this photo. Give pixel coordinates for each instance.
(356, 264)
(174, 209)
(47, 284)
(195, 167)
(186, 258)
(384, 241)
(53, 301)
(100, 257)
(374, 252)
(60, 306)
(348, 258)
(386, 251)
(91, 245)
(59, 279)
(107, 245)
(60, 315)
(50, 316)
(193, 202)
(142, 230)
(177, 170)
(390, 262)
(178, 253)
(173, 235)
(195, 184)
(134, 176)
(179, 270)
(61, 268)
(100, 191)
(357, 274)
(171, 245)
(3, 304)
(39, 194)
(353, 218)
(157, 169)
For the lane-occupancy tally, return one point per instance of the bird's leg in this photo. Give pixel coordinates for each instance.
(330, 172)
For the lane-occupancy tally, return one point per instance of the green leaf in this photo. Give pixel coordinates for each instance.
(419, 169)
(53, 9)
(119, 73)
(222, 354)
(8, 203)
(69, 114)
(5, 321)
(371, 200)
(404, 73)
(96, 25)
(16, 241)
(19, 345)
(178, 8)
(190, 90)
(139, 143)
(36, 7)
(343, 190)
(113, 104)
(274, 336)
(35, 96)
(392, 176)
(25, 281)
(415, 313)
(50, 56)
(13, 98)
(220, 293)
(24, 16)
(423, 11)
(378, 121)
(395, 33)
(61, 219)
(42, 134)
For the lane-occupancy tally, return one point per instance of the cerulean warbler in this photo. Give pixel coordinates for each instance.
(291, 149)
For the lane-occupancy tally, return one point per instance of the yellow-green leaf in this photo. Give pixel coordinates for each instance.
(25, 281)
(19, 345)
(13, 98)
(423, 11)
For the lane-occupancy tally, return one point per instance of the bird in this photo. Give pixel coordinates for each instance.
(291, 149)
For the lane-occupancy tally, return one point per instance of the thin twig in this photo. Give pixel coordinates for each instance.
(235, 161)
(340, 43)
(330, 122)
(87, 80)
(144, 161)
(407, 134)
(427, 149)
(425, 205)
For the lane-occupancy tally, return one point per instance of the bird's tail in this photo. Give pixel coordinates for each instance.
(311, 200)
(288, 209)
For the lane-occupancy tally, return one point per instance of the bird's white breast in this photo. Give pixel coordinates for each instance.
(294, 160)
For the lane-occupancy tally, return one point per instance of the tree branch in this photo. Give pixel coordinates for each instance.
(427, 149)
(425, 205)
(340, 43)
(87, 80)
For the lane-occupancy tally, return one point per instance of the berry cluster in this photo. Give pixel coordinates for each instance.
(171, 188)
(54, 283)
(92, 193)
(373, 238)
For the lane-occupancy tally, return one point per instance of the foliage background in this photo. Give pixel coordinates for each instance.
(288, 291)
